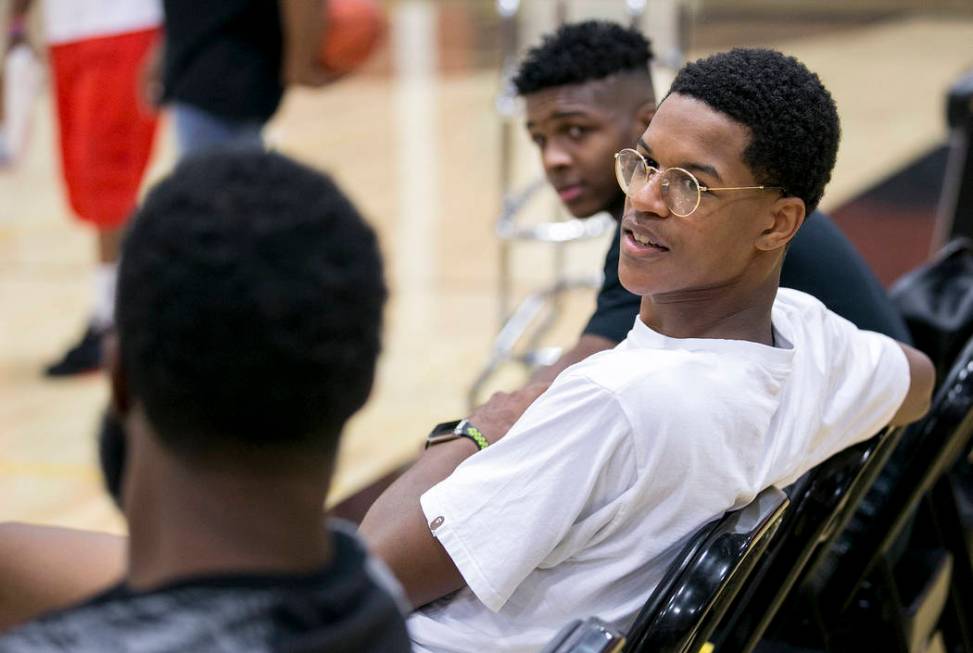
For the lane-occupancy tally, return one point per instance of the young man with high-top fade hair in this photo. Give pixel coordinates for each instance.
(725, 384)
(588, 94)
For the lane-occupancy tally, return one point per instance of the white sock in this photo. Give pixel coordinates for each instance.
(104, 283)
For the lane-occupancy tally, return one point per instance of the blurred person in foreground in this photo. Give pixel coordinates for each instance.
(582, 109)
(97, 51)
(725, 384)
(249, 318)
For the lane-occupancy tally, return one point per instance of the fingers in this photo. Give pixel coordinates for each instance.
(503, 409)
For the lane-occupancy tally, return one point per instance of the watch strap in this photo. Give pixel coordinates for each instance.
(465, 429)
(455, 429)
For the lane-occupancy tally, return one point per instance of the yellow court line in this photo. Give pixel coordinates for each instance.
(50, 470)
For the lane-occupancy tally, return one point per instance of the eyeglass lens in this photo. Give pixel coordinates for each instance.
(680, 190)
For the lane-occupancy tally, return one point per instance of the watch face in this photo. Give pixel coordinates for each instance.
(443, 432)
(441, 437)
(444, 427)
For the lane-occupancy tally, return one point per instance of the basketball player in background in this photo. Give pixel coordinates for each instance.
(222, 72)
(97, 49)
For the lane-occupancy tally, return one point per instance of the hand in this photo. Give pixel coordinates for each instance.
(17, 25)
(304, 29)
(16, 39)
(503, 409)
(309, 74)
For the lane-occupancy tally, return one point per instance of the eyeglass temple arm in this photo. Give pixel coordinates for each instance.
(705, 188)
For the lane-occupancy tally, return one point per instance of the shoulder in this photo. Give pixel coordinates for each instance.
(796, 301)
(643, 382)
(620, 370)
(796, 312)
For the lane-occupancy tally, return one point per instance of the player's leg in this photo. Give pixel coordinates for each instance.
(105, 155)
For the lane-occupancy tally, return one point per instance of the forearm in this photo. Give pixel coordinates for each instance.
(304, 25)
(396, 531)
(43, 568)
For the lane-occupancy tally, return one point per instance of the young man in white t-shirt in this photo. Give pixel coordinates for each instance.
(724, 385)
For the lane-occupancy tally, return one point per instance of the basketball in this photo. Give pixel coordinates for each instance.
(353, 30)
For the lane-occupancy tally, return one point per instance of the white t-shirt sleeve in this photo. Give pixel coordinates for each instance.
(869, 379)
(539, 494)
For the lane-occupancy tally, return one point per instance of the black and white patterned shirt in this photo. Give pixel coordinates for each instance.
(346, 606)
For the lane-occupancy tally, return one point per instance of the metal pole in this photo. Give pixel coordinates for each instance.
(506, 108)
(635, 8)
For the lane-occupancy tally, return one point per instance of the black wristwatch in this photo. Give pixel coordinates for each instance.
(460, 428)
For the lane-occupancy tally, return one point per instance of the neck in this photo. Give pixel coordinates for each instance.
(735, 310)
(203, 519)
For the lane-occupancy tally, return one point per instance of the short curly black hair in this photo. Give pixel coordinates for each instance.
(249, 305)
(791, 116)
(581, 52)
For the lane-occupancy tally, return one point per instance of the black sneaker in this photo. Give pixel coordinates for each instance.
(83, 357)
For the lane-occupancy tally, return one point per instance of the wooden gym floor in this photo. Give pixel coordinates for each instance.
(415, 141)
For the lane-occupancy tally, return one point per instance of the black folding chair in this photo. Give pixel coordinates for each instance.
(859, 570)
(696, 590)
(821, 503)
(706, 576)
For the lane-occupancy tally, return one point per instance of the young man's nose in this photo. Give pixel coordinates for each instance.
(648, 198)
(554, 157)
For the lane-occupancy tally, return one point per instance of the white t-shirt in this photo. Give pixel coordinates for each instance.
(579, 510)
(66, 21)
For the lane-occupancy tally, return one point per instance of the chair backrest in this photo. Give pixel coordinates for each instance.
(924, 452)
(821, 503)
(936, 301)
(705, 577)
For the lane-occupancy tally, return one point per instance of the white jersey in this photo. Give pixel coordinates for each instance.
(66, 21)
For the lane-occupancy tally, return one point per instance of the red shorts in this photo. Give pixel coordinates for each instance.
(106, 129)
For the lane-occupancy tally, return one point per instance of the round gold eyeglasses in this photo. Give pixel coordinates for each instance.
(680, 189)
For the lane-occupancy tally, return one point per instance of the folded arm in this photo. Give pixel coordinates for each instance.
(395, 528)
(922, 377)
(44, 568)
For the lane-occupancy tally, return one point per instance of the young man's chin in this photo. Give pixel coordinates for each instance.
(584, 206)
(581, 212)
(639, 284)
(644, 277)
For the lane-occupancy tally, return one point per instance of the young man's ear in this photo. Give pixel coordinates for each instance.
(785, 218)
(121, 400)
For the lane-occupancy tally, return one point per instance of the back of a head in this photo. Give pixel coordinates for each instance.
(249, 306)
(791, 116)
(582, 52)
